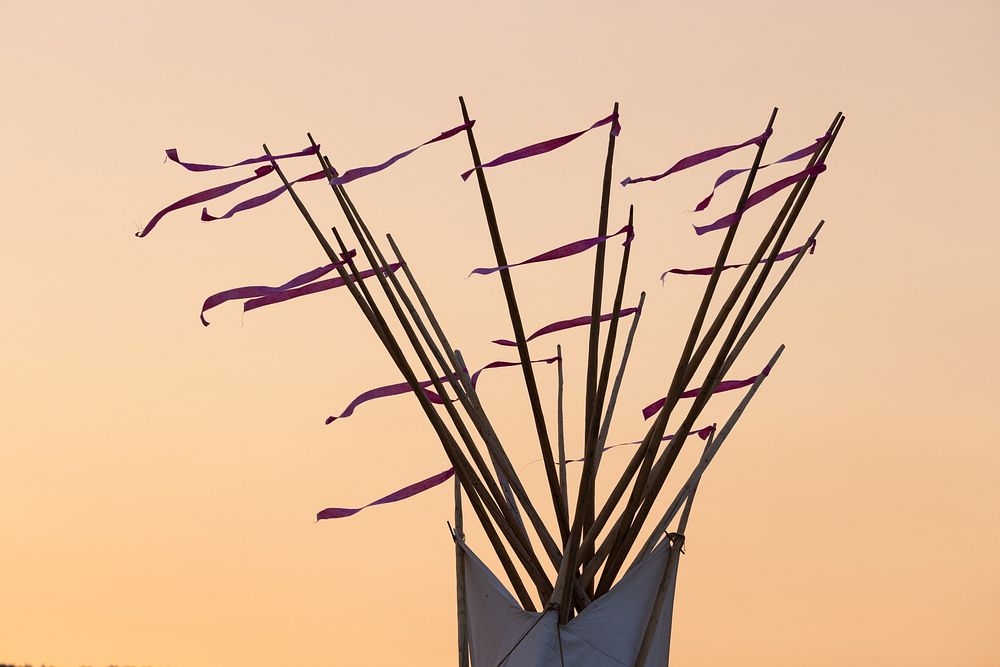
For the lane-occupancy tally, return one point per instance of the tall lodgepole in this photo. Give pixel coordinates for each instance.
(562, 516)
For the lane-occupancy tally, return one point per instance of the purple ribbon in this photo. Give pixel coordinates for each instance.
(567, 250)
(707, 270)
(404, 387)
(547, 146)
(253, 291)
(567, 324)
(194, 166)
(732, 173)
(699, 158)
(759, 196)
(311, 288)
(204, 196)
(359, 172)
(260, 200)
(725, 385)
(394, 497)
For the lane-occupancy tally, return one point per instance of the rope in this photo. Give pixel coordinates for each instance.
(526, 633)
(559, 637)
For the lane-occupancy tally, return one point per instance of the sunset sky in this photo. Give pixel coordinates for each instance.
(159, 480)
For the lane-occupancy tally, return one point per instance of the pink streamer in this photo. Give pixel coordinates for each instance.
(253, 291)
(394, 497)
(567, 250)
(194, 166)
(699, 158)
(260, 200)
(359, 172)
(725, 385)
(732, 173)
(707, 270)
(547, 146)
(203, 196)
(759, 196)
(311, 288)
(404, 387)
(566, 324)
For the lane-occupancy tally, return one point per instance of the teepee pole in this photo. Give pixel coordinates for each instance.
(616, 385)
(793, 203)
(668, 585)
(463, 470)
(642, 456)
(715, 443)
(594, 400)
(561, 430)
(450, 372)
(388, 282)
(651, 445)
(462, 601)
(493, 499)
(562, 516)
(662, 468)
(769, 301)
(497, 452)
(593, 437)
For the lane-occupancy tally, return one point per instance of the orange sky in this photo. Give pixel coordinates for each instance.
(158, 480)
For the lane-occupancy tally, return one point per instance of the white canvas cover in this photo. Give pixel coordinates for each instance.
(606, 634)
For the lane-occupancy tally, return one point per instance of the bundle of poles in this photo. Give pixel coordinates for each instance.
(568, 566)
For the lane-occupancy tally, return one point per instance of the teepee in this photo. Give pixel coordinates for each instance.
(597, 587)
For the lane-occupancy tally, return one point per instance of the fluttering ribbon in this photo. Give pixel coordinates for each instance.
(359, 172)
(260, 200)
(404, 387)
(204, 196)
(725, 385)
(254, 291)
(194, 166)
(313, 288)
(546, 146)
(759, 196)
(567, 324)
(394, 497)
(702, 433)
(707, 270)
(567, 250)
(732, 173)
(699, 158)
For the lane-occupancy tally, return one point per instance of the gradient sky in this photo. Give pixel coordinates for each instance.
(158, 480)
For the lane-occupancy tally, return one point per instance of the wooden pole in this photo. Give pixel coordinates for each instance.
(572, 552)
(463, 470)
(695, 360)
(715, 443)
(633, 522)
(493, 498)
(594, 402)
(668, 586)
(651, 444)
(602, 439)
(668, 583)
(561, 431)
(593, 437)
(474, 407)
(376, 258)
(769, 301)
(497, 452)
(448, 365)
(562, 516)
(462, 602)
